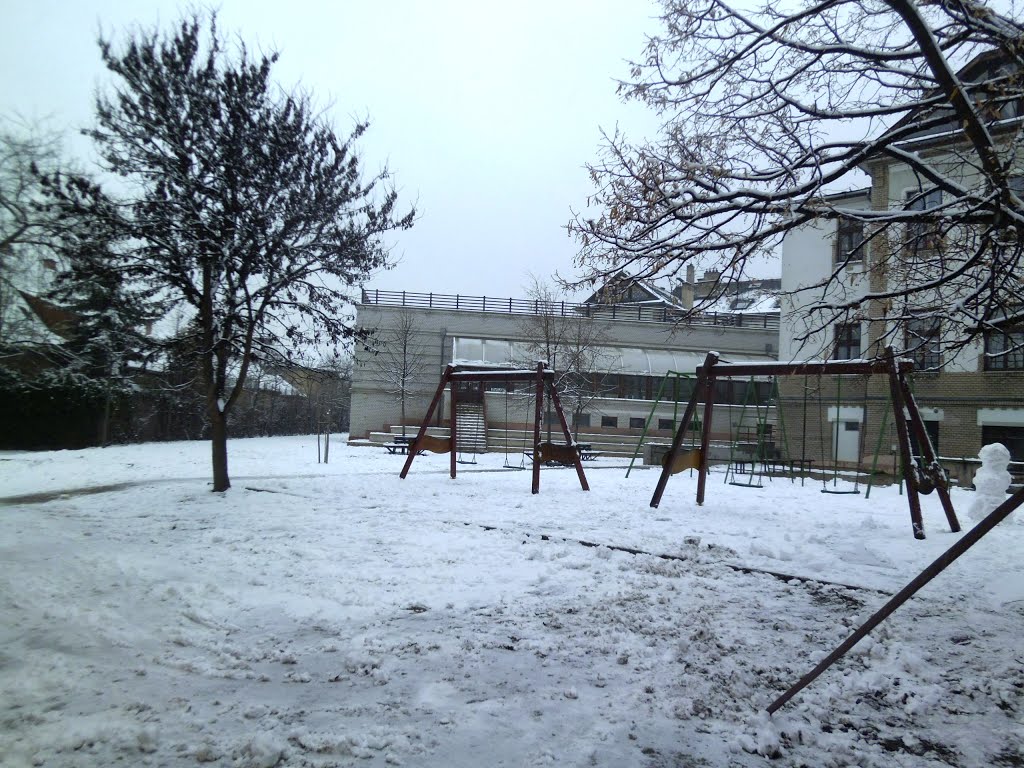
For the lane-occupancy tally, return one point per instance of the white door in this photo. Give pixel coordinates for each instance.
(846, 440)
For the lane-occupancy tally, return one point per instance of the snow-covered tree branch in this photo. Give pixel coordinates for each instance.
(768, 112)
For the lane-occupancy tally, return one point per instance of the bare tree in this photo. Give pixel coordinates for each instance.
(399, 358)
(768, 111)
(572, 344)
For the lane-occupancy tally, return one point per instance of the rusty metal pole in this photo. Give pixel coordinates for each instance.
(968, 540)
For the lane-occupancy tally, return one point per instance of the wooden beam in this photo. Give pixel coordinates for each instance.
(535, 488)
(453, 459)
(934, 470)
(705, 434)
(415, 447)
(967, 541)
(684, 425)
(577, 462)
(903, 438)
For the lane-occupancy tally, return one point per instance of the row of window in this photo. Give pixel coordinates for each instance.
(1004, 350)
(1011, 437)
(631, 387)
(612, 422)
(920, 237)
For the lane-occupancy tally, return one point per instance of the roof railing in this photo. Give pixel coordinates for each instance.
(644, 313)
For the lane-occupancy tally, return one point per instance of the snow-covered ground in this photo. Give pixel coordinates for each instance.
(335, 615)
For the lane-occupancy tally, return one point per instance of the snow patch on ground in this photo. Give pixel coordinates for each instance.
(334, 615)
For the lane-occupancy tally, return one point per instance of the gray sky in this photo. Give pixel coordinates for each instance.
(487, 112)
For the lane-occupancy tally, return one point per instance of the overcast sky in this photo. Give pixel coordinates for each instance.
(487, 112)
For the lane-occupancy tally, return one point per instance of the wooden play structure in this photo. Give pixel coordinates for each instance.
(566, 453)
(920, 476)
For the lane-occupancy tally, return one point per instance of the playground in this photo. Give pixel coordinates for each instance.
(336, 615)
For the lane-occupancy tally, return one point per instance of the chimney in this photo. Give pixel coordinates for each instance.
(684, 291)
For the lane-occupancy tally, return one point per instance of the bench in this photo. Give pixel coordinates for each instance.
(399, 448)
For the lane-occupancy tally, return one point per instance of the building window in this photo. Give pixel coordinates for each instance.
(682, 389)
(847, 341)
(633, 387)
(636, 423)
(923, 342)
(666, 424)
(581, 419)
(923, 236)
(610, 421)
(1011, 437)
(849, 241)
(1004, 350)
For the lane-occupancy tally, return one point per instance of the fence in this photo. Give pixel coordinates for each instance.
(643, 313)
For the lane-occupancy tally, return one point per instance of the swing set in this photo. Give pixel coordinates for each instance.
(543, 452)
(761, 449)
(921, 475)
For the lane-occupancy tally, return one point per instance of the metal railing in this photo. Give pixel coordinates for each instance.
(644, 313)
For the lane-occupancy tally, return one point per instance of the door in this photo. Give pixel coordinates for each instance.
(846, 440)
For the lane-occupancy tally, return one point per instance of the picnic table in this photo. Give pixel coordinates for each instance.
(401, 444)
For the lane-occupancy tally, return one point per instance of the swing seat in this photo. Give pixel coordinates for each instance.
(686, 460)
(553, 453)
(434, 444)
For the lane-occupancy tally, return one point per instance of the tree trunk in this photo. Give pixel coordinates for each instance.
(327, 438)
(105, 423)
(219, 449)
